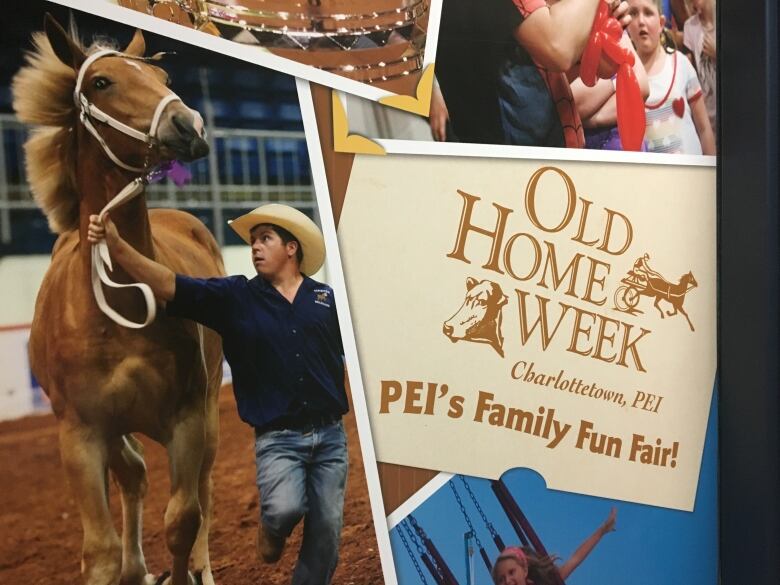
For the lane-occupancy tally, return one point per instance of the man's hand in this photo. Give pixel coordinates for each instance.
(160, 278)
(619, 10)
(102, 230)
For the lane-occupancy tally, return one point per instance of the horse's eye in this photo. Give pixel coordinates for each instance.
(101, 82)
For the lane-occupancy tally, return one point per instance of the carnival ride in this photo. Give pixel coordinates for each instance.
(373, 41)
(421, 548)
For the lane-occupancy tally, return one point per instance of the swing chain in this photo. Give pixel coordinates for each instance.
(413, 537)
(411, 554)
(487, 522)
(423, 537)
(463, 511)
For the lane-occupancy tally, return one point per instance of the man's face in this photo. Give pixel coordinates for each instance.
(270, 255)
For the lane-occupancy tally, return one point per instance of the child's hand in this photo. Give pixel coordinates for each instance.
(708, 47)
(619, 10)
(609, 523)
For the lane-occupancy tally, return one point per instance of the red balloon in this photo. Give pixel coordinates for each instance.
(604, 44)
(614, 52)
(613, 29)
(589, 64)
(630, 109)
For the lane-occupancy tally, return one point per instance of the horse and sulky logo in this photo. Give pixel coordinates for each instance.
(642, 280)
(534, 264)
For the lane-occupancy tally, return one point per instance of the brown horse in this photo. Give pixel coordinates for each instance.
(106, 381)
(674, 294)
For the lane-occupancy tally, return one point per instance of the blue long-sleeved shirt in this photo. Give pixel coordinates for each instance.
(285, 357)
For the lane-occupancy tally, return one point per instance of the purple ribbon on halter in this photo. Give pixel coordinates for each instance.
(173, 170)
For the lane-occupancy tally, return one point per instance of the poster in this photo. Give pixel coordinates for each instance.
(535, 343)
(531, 331)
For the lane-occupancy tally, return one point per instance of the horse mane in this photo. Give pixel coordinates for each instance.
(43, 96)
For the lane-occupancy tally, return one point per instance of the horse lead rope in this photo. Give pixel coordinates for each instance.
(102, 259)
(100, 254)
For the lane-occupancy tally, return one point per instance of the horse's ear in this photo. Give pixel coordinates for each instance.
(66, 49)
(137, 46)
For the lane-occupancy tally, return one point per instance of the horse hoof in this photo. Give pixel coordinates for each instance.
(204, 577)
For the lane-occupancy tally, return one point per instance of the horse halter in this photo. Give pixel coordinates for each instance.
(89, 111)
(101, 258)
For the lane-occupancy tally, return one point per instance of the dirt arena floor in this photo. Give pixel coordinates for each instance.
(40, 531)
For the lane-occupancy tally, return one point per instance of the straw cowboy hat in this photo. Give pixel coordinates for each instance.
(304, 229)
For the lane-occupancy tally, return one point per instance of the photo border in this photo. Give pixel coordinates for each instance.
(338, 282)
(432, 148)
(417, 499)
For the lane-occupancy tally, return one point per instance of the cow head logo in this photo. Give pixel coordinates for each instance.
(479, 317)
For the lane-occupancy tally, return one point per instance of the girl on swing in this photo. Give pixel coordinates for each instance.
(522, 566)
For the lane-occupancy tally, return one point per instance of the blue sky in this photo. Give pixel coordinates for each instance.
(651, 545)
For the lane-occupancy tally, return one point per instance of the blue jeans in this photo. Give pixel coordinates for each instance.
(303, 475)
(529, 117)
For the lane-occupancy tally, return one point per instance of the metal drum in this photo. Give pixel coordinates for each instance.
(373, 41)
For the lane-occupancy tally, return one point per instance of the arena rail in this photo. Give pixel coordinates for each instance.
(244, 169)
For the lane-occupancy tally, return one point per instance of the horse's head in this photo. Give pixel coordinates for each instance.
(127, 102)
(690, 280)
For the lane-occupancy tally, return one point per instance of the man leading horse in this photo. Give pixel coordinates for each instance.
(281, 338)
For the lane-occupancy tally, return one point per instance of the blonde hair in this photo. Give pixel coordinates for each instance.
(43, 96)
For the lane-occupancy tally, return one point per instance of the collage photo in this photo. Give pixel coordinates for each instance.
(356, 292)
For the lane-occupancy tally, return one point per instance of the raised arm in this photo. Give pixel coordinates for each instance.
(587, 546)
(160, 279)
(555, 35)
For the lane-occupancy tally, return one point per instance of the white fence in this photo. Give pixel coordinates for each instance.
(244, 169)
(19, 393)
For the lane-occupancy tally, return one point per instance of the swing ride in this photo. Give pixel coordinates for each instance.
(419, 546)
